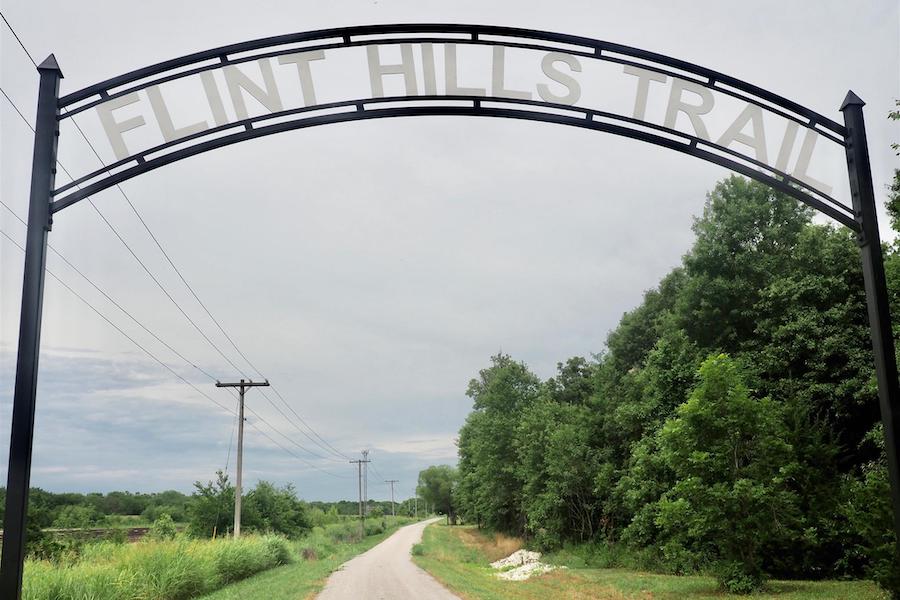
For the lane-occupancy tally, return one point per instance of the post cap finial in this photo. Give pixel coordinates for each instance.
(50, 64)
(852, 100)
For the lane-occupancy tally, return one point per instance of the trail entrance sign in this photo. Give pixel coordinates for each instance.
(179, 108)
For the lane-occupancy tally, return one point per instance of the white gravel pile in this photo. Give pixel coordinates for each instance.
(517, 559)
(521, 565)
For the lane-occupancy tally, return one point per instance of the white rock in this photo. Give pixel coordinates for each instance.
(521, 565)
(525, 571)
(517, 559)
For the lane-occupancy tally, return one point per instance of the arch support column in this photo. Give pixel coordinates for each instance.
(863, 194)
(43, 176)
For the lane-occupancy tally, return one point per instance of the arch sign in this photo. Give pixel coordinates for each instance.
(179, 108)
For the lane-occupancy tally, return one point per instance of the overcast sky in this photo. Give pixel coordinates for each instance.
(367, 269)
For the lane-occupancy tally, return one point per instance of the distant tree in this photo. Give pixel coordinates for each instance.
(79, 516)
(267, 508)
(437, 485)
(212, 509)
(163, 528)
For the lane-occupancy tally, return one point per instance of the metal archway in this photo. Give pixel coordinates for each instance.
(46, 199)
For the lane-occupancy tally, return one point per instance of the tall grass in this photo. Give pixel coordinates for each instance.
(324, 541)
(158, 570)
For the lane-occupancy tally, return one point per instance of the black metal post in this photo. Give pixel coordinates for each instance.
(863, 194)
(43, 175)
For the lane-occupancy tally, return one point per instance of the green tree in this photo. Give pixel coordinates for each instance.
(745, 238)
(212, 509)
(490, 491)
(437, 486)
(77, 516)
(730, 500)
(163, 528)
(267, 508)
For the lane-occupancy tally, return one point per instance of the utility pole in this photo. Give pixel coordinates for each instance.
(392, 482)
(362, 516)
(242, 386)
(366, 461)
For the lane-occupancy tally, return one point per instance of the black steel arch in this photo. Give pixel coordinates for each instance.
(46, 199)
(368, 108)
(481, 106)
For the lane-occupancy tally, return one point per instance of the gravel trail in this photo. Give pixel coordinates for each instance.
(386, 572)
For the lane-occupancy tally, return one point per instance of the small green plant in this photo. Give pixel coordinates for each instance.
(418, 550)
(163, 528)
(736, 578)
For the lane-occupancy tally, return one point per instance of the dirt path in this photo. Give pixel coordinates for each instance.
(386, 572)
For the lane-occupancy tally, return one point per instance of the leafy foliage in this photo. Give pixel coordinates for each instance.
(730, 425)
(437, 486)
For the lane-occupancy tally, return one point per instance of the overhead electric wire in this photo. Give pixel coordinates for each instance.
(327, 446)
(120, 330)
(16, 35)
(333, 449)
(16, 108)
(164, 364)
(324, 445)
(168, 346)
(149, 331)
(113, 301)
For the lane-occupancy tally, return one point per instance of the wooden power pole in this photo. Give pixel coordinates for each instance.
(392, 482)
(242, 386)
(362, 515)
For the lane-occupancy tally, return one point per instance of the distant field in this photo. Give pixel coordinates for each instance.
(458, 557)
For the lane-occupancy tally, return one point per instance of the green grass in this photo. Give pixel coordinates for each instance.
(458, 557)
(327, 548)
(152, 570)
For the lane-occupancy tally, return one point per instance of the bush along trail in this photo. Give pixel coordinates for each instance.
(459, 557)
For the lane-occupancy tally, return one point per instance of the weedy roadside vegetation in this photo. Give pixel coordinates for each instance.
(459, 558)
(161, 569)
(166, 565)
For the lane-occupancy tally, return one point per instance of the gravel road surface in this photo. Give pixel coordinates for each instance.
(386, 572)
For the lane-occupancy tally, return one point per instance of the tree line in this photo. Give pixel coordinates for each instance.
(730, 425)
(207, 512)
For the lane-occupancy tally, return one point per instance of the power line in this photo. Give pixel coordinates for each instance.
(190, 288)
(113, 301)
(16, 35)
(120, 330)
(149, 331)
(301, 431)
(333, 449)
(327, 446)
(109, 224)
(164, 364)
(16, 108)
